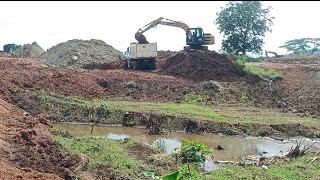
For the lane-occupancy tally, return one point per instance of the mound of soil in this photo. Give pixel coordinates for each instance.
(203, 65)
(29, 51)
(83, 54)
(25, 142)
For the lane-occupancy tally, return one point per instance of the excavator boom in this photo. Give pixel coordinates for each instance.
(142, 39)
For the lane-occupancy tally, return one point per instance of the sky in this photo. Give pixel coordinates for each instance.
(53, 22)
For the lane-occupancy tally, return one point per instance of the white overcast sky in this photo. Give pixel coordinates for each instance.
(50, 23)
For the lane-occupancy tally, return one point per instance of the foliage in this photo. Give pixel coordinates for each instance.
(244, 25)
(302, 45)
(103, 151)
(241, 60)
(191, 155)
(193, 98)
(9, 48)
(159, 144)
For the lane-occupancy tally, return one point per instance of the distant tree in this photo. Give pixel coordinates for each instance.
(9, 48)
(302, 45)
(244, 25)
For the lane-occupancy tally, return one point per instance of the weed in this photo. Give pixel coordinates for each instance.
(193, 98)
(103, 151)
(191, 155)
(159, 144)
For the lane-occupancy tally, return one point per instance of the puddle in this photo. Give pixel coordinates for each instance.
(233, 147)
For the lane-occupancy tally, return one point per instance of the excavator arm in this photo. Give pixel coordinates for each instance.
(142, 39)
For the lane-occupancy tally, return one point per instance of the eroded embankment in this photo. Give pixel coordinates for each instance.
(72, 109)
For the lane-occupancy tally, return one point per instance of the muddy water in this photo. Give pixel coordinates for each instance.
(233, 147)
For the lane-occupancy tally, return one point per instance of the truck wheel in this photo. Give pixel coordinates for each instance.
(125, 64)
(135, 65)
(153, 65)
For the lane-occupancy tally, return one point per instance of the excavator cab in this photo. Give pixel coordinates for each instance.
(195, 37)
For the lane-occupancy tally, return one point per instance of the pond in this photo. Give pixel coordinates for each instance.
(232, 148)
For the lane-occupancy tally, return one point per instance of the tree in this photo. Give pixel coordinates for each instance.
(302, 45)
(244, 25)
(9, 48)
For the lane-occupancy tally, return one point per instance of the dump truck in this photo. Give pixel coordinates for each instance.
(141, 56)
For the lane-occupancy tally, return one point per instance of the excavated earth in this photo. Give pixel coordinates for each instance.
(27, 150)
(201, 66)
(300, 85)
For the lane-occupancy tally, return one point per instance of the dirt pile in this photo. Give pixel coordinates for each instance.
(25, 142)
(29, 51)
(85, 54)
(165, 54)
(203, 65)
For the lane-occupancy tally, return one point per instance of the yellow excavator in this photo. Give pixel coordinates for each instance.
(195, 37)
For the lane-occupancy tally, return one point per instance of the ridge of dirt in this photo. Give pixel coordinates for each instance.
(25, 144)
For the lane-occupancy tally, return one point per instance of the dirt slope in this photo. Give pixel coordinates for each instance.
(25, 142)
(300, 85)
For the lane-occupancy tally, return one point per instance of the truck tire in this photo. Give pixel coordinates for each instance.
(125, 64)
(135, 65)
(153, 65)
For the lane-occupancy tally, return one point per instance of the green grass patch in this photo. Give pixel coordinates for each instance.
(103, 151)
(184, 109)
(229, 115)
(67, 105)
(262, 73)
(301, 168)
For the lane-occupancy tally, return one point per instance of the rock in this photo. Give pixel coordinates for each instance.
(264, 167)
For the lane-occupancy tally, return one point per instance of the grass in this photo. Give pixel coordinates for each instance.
(187, 109)
(229, 115)
(71, 100)
(301, 168)
(103, 151)
(263, 73)
(184, 109)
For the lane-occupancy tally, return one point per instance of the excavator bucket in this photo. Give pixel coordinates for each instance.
(141, 38)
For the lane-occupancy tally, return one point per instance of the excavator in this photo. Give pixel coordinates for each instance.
(196, 39)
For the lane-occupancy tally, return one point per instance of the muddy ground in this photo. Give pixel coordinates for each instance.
(26, 147)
